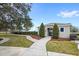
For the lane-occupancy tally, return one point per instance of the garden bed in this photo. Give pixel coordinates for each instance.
(61, 39)
(36, 37)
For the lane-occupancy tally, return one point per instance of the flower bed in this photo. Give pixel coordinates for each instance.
(36, 37)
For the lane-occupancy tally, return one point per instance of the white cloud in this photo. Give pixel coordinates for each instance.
(68, 14)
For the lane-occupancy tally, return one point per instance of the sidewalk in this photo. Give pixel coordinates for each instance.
(58, 54)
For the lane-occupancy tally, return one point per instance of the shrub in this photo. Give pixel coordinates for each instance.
(73, 36)
(42, 30)
(55, 31)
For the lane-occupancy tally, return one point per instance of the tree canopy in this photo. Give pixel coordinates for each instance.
(15, 15)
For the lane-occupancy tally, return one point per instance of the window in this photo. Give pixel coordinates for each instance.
(62, 29)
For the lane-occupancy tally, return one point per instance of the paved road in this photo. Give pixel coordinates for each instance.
(10, 51)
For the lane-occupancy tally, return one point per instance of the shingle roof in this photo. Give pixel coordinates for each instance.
(50, 24)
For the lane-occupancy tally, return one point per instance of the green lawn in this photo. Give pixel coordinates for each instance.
(15, 40)
(63, 47)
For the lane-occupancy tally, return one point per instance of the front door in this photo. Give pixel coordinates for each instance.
(50, 31)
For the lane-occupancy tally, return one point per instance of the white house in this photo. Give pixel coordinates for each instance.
(64, 29)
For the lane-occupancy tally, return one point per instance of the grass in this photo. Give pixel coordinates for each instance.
(66, 47)
(15, 40)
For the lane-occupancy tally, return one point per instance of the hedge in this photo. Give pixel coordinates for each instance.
(26, 33)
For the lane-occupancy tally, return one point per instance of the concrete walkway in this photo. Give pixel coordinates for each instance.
(4, 40)
(58, 54)
(37, 49)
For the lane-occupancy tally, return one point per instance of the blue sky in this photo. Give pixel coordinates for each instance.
(54, 13)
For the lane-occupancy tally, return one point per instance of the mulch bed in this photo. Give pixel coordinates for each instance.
(1, 39)
(61, 39)
(36, 37)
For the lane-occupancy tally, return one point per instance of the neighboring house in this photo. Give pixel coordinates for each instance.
(64, 29)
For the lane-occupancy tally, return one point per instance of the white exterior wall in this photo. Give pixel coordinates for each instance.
(46, 31)
(65, 34)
